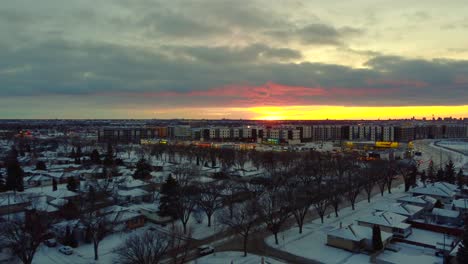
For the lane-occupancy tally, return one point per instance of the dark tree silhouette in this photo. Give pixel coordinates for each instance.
(40, 165)
(95, 157)
(143, 170)
(146, 248)
(376, 238)
(449, 172)
(22, 238)
(242, 220)
(54, 185)
(462, 254)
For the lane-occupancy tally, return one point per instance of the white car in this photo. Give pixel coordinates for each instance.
(205, 250)
(66, 250)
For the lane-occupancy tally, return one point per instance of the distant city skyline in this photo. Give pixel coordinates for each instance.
(214, 59)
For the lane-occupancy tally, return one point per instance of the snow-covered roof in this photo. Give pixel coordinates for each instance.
(398, 208)
(133, 184)
(132, 193)
(8, 198)
(460, 203)
(441, 189)
(61, 192)
(58, 202)
(388, 219)
(421, 199)
(356, 233)
(445, 213)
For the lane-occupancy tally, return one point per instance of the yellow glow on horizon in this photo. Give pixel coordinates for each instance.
(354, 112)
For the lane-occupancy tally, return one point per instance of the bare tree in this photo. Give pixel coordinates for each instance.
(335, 189)
(22, 238)
(406, 169)
(354, 187)
(147, 248)
(274, 210)
(320, 200)
(242, 220)
(299, 202)
(97, 224)
(180, 244)
(241, 158)
(210, 198)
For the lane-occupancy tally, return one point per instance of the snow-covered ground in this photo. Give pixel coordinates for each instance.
(84, 254)
(439, 155)
(410, 254)
(233, 257)
(312, 243)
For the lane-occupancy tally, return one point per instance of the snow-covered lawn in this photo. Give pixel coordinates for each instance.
(233, 257)
(429, 237)
(84, 254)
(410, 254)
(312, 242)
(199, 230)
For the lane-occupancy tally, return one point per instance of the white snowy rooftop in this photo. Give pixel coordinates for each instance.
(398, 208)
(445, 213)
(356, 233)
(387, 219)
(441, 189)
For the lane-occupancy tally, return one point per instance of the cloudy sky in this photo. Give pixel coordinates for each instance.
(233, 59)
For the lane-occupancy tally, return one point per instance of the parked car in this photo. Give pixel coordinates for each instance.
(51, 242)
(205, 250)
(66, 250)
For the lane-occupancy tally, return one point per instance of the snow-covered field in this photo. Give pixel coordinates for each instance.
(233, 257)
(312, 243)
(439, 155)
(455, 144)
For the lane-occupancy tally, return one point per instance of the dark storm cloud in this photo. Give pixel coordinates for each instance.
(226, 55)
(63, 68)
(317, 34)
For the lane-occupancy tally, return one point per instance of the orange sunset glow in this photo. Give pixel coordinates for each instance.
(353, 113)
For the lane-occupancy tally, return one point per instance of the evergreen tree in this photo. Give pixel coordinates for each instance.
(439, 204)
(40, 165)
(460, 179)
(462, 254)
(423, 178)
(14, 180)
(143, 170)
(109, 159)
(78, 156)
(431, 172)
(54, 185)
(72, 185)
(376, 238)
(449, 172)
(440, 175)
(169, 197)
(73, 153)
(95, 157)
(69, 239)
(69, 211)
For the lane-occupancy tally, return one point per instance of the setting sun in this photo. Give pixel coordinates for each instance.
(352, 112)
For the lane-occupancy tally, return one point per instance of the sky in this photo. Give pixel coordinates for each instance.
(249, 59)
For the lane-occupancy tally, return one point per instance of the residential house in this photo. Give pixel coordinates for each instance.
(355, 238)
(445, 192)
(408, 210)
(446, 217)
(388, 222)
(460, 205)
(427, 202)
